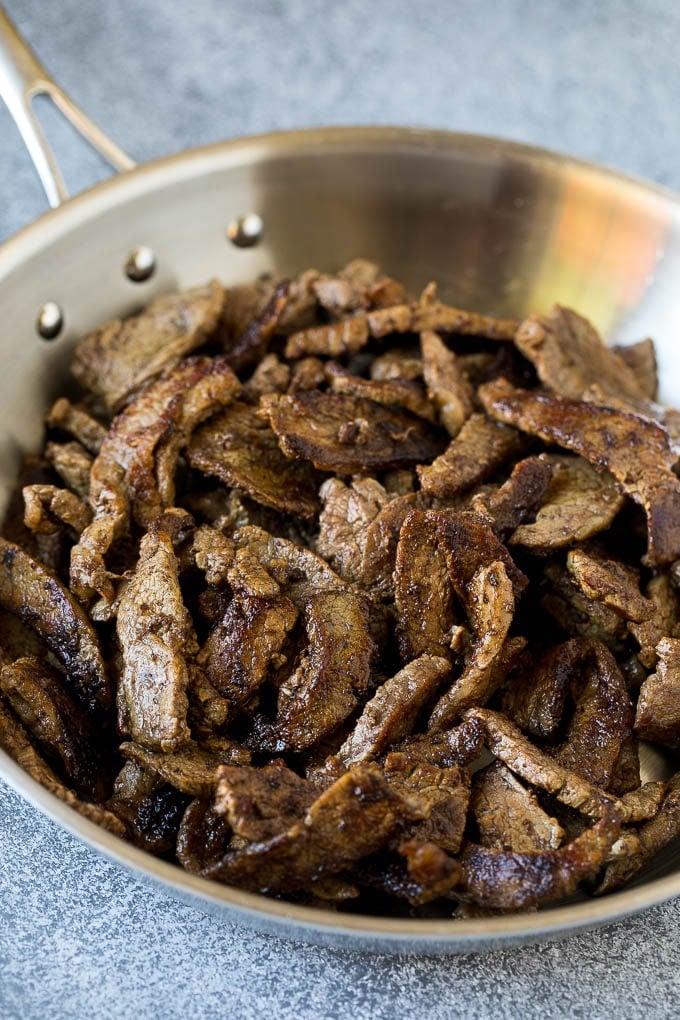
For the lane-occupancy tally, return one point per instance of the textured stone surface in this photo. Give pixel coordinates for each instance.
(79, 936)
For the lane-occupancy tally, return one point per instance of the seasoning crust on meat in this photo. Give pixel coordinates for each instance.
(352, 597)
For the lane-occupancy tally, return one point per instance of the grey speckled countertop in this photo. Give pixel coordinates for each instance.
(79, 937)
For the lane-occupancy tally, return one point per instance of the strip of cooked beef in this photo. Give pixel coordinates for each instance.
(133, 472)
(664, 621)
(626, 773)
(349, 434)
(202, 836)
(245, 644)
(653, 836)
(570, 356)
(239, 448)
(578, 615)
(307, 374)
(73, 465)
(518, 498)
(396, 364)
(61, 726)
(41, 601)
(433, 873)
(49, 509)
(441, 795)
(641, 358)
(352, 819)
(508, 815)
(438, 554)
(536, 698)
(634, 449)
(261, 803)
(478, 450)
(116, 360)
(578, 504)
(504, 879)
(155, 635)
(658, 708)
(344, 523)
(392, 392)
(490, 605)
(251, 345)
(214, 554)
(271, 375)
(151, 809)
(75, 420)
(390, 714)
(459, 745)
(614, 584)
(351, 334)
(447, 385)
(192, 769)
(381, 539)
(16, 743)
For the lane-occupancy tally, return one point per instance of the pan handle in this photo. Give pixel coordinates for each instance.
(22, 77)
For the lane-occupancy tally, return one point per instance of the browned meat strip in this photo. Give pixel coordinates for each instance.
(73, 464)
(77, 422)
(433, 872)
(151, 809)
(508, 815)
(381, 538)
(635, 450)
(191, 770)
(518, 498)
(48, 509)
(15, 742)
(570, 356)
(155, 635)
(653, 836)
(664, 621)
(261, 803)
(41, 601)
(308, 374)
(354, 818)
(479, 449)
(610, 582)
(392, 711)
(251, 345)
(62, 728)
(344, 523)
(441, 795)
(246, 643)
(502, 879)
(240, 448)
(349, 434)
(392, 392)
(135, 466)
(658, 708)
(578, 615)
(115, 361)
(447, 384)
(270, 376)
(578, 504)
(641, 358)
(396, 364)
(536, 698)
(202, 836)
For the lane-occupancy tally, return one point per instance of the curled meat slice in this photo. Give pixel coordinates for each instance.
(48, 509)
(663, 622)
(191, 769)
(447, 385)
(270, 376)
(641, 358)
(246, 643)
(16, 743)
(353, 818)
(155, 635)
(506, 880)
(577, 614)
(261, 803)
(658, 708)
(391, 392)
(391, 712)
(247, 348)
(610, 582)
(77, 422)
(115, 361)
(432, 872)
(536, 698)
(479, 449)
(135, 466)
(73, 464)
(508, 815)
(60, 725)
(440, 793)
(517, 498)
(240, 449)
(202, 836)
(344, 523)
(349, 434)
(578, 504)
(635, 450)
(41, 601)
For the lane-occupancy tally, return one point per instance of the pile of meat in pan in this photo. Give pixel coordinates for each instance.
(334, 593)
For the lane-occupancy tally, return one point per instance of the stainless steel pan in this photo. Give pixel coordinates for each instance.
(505, 228)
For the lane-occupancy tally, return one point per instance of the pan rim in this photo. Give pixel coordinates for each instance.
(311, 923)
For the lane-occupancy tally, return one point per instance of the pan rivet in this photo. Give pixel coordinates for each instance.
(246, 231)
(50, 321)
(140, 264)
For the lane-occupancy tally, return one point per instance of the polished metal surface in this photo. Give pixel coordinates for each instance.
(22, 78)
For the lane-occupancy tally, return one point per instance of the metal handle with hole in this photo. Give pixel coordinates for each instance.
(22, 77)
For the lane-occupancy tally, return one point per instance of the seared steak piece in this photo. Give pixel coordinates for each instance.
(391, 392)
(518, 498)
(192, 770)
(641, 358)
(344, 523)
(49, 510)
(78, 423)
(508, 815)
(610, 582)
(663, 622)
(479, 449)
(658, 708)
(261, 803)
(73, 464)
(116, 360)
(251, 345)
(349, 434)
(441, 795)
(447, 385)
(202, 836)
(634, 449)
